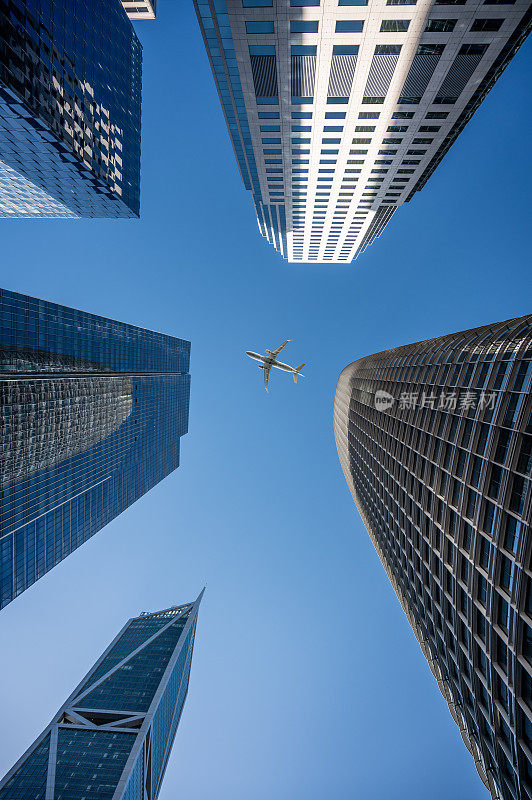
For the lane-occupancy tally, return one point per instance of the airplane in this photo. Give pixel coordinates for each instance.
(270, 360)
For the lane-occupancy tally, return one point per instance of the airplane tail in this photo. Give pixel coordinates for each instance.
(296, 372)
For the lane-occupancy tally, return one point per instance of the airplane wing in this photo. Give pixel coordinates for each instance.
(267, 369)
(277, 350)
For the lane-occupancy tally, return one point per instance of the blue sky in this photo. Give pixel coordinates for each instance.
(307, 682)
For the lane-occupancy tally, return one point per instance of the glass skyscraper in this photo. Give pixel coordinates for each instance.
(112, 738)
(70, 96)
(91, 415)
(435, 441)
(339, 111)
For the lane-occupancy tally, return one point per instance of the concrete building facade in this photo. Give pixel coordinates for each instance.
(340, 110)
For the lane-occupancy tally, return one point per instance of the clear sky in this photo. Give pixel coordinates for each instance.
(307, 681)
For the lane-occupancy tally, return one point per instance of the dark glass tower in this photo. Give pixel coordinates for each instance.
(112, 738)
(91, 415)
(70, 94)
(435, 440)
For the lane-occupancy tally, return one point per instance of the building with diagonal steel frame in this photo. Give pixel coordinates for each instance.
(112, 738)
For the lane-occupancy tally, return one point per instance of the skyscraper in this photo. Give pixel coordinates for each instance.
(112, 738)
(70, 94)
(435, 441)
(340, 111)
(91, 415)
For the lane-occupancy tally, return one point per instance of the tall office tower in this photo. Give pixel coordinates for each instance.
(339, 111)
(112, 738)
(70, 93)
(91, 415)
(435, 443)
(140, 9)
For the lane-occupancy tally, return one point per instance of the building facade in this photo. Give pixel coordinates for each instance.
(140, 9)
(340, 110)
(91, 415)
(112, 738)
(435, 441)
(70, 97)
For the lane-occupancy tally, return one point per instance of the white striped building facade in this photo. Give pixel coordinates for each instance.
(340, 110)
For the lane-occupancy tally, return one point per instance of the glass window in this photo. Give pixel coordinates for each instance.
(502, 446)
(503, 614)
(506, 573)
(304, 26)
(524, 461)
(488, 516)
(466, 537)
(502, 692)
(440, 25)
(526, 730)
(526, 687)
(387, 49)
(511, 528)
(260, 27)
(527, 642)
(482, 589)
(486, 25)
(484, 552)
(303, 50)
(482, 661)
(481, 625)
(471, 503)
(349, 26)
(517, 494)
(464, 569)
(528, 597)
(495, 480)
(394, 25)
(475, 471)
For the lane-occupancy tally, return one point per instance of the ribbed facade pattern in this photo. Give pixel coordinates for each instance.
(435, 441)
(369, 97)
(112, 739)
(303, 75)
(92, 412)
(342, 73)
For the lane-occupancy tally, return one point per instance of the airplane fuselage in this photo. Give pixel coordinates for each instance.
(270, 361)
